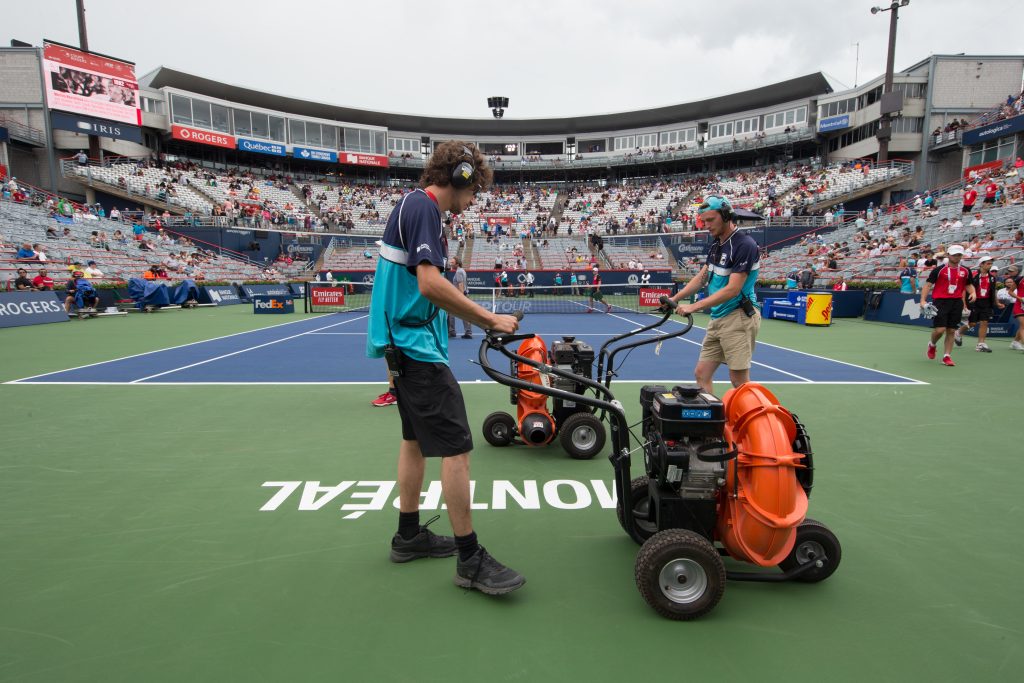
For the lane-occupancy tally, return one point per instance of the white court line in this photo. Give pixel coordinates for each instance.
(467, 382)
(690, 341)
(251, 348)
(908, 380)
(24, 380)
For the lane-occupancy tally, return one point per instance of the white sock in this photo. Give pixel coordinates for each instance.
(931, 344)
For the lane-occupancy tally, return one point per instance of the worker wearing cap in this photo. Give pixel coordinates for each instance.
(1014, 284)
(970, 197)
(947, 284)
(731, 269)
(984, 281)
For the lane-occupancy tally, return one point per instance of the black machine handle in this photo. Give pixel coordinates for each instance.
(605, 370)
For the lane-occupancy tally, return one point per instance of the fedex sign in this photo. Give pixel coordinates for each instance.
(355, 159)
(272, 304)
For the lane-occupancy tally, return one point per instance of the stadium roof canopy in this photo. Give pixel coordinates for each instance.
(802, 87)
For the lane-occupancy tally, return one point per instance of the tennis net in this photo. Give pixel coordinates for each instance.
(609, 298)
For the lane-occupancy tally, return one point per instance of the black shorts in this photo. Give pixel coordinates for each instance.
(950, 313)
(990, 200)
(980, 314)
(432, 409)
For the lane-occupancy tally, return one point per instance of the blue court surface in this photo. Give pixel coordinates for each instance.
(330, 349)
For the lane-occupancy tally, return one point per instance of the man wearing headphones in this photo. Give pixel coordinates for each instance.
(731, 270)
(409, 310)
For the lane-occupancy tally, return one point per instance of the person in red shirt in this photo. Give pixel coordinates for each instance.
(1015, 286)
(970, 196)
(42, 282)
(947, 284)
(990, 191)
(984, 281)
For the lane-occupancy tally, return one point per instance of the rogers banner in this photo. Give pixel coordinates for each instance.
(327, 296)
(503, 220)
(94, 85)
(203, 137)
(363, 159)
(982, 167)
(649, 297)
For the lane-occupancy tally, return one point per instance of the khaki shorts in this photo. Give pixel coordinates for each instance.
(731, 339)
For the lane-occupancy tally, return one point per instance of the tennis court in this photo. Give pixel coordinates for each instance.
(208, 495)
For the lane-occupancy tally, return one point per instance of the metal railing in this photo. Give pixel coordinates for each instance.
(21, 131)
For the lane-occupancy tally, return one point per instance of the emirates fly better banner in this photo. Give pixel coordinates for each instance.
(94, 85)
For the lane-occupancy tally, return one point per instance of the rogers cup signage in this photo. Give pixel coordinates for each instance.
(327, 296)
(363, 159)
(649, 297)
(203, 137)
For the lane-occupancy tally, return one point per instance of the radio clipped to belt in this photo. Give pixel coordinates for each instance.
(392, 354)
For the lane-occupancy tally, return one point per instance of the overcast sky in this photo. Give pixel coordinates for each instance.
(551, 58)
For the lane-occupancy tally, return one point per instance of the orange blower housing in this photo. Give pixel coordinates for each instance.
(762, 502)
(536, 426)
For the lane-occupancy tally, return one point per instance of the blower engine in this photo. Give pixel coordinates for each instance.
(580, 432)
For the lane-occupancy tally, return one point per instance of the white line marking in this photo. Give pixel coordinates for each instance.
(235, 353)
(467, 382)
(147, 353)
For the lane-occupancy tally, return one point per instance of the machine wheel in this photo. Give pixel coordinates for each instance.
(680, 574)
(499, 428)
(639, 490)
(582, 436)
(814, 541)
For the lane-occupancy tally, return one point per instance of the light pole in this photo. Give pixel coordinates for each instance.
(885, 125)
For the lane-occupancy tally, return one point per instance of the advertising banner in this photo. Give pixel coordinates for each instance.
(30, 308)
(502, 220)
(263, 303)
(89, 125)
(261, 147)
(222, 296)
(980, 168)
(993, 131)
(87, 83)
(649, 296)
(834, 123)
(203, 137)
(356, 159)
(270, 290)
(315, 154)
(327, 296)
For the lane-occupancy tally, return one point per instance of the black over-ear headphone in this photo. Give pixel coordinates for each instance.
(720, 204)
(464, 172)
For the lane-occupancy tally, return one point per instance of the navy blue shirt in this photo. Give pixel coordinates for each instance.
(414, 235)
(738, 254)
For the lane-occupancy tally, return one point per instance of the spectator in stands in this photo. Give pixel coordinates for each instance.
(22, 282)
(957, 224)
(42, 282)
(991, 188)
(120, 238)
(806, 276)
(970, 197)
(82, 158)
(115, 215)
(840, 285)
(51, 234)
(151, 273)
(978, 223)
(92, 270)
(25, 253)
(1018, 238)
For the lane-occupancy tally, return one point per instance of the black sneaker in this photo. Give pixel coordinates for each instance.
(487, 575)
(424, 544)
(467, 336)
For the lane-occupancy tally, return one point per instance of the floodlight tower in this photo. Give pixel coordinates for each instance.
(497, 105)
(887, 105)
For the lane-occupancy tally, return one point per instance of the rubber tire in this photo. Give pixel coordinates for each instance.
(639, 488)
(813, 531)
(574, 422)
(672, 544)
(499, 429)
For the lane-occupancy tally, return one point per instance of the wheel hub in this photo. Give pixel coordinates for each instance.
(683, 581)
(584, 437)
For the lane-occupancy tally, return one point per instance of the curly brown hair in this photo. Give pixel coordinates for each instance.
(447, 156)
